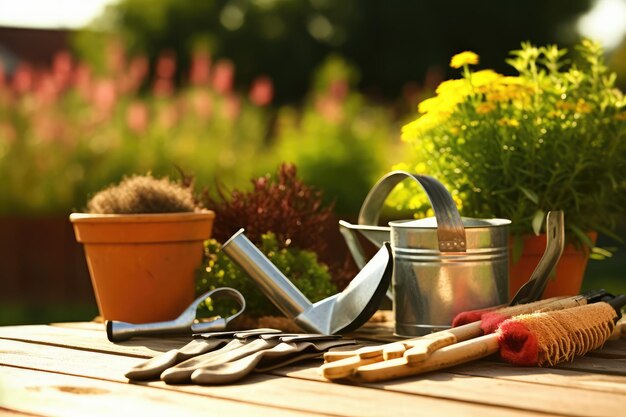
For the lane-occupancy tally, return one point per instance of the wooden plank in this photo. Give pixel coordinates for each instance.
(270, 391)
(142, 347)
(85, 325)
(597, 365)
(571, 401)
(68, 337)
(545, 376)
(50, 394)
(10, 413)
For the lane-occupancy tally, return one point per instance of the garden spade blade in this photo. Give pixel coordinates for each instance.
(340, 313)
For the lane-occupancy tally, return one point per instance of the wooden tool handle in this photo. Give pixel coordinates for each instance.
(422, 348)
(346, 367)
(443, 358)
(465, 332)
(363, 353)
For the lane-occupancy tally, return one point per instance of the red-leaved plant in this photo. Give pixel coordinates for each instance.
(284, 205)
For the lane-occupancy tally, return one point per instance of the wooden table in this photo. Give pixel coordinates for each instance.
(72, 369)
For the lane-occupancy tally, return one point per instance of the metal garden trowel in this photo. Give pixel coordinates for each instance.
(340, 313)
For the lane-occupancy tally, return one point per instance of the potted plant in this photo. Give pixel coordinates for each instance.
(552, 137)
(143, 241)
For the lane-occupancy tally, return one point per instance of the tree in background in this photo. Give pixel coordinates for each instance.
(392, 43)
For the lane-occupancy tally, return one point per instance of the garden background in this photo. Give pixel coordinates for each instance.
(224, 91)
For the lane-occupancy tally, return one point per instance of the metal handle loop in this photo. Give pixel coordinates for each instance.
(450, 230)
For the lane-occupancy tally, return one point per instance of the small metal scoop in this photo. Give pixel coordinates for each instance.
(340, 313)
(118, 331)
(533, 289)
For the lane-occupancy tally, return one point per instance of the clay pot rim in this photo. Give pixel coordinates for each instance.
(141, 218)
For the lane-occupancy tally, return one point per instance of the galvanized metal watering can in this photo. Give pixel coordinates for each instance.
(443, 265)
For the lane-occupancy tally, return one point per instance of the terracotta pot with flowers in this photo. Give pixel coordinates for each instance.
(552, 137)
(143, 242)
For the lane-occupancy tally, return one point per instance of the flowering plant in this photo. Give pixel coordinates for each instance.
(551, 137)
(67, 131)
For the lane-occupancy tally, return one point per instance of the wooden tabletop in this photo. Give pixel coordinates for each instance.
(71, 369)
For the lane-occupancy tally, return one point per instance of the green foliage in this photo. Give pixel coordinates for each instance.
(143, 194)
(550, 138)
(340, 143)
(300, 266)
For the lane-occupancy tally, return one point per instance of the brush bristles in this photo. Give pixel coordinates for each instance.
(551, 337)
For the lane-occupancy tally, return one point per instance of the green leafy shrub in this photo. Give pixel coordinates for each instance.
(552, 137)
(143, 194)
(300, 266)
(341, 143)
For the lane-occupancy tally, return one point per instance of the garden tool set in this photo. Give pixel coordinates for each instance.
(538, 339)
(220, 358)
(444, 270)
(416, 350)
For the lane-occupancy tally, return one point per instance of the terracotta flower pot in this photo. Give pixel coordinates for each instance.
(569, 271)
(143, 266)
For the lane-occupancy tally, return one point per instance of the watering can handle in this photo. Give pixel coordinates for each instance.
(450, 230)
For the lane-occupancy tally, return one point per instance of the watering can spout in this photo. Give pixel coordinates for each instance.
(377, 235)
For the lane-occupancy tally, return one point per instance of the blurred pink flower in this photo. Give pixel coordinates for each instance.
(163, 87)
(262, 91)
(83, 81)
(339, 89)
(232, 107)
(137, 117)
(137, 72)
(104, 95)
(47, 89)
(115, 57)
(166, 65)
(200, 71)
(223, 76)
(62, 69)
(203, 105)
(23, 79)
(330, 108)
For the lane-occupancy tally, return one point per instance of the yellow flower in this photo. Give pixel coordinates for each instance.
(583, 107)
(484, 77)
(484, 108)
(464, 58)
(429, 104)
(564, 105)
(427, 121)
(505, 121)
(453, 87)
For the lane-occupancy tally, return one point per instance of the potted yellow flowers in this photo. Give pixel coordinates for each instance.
(552, 137)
